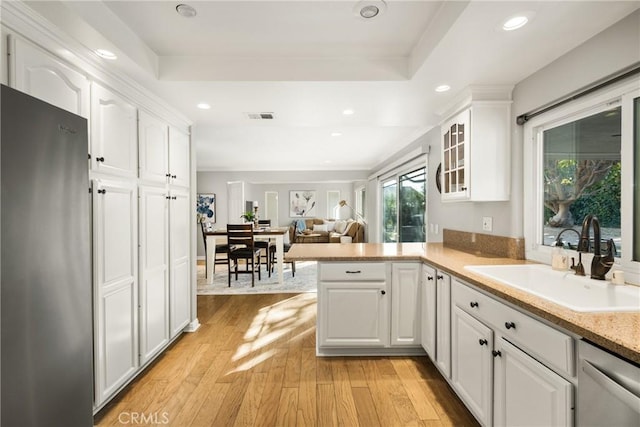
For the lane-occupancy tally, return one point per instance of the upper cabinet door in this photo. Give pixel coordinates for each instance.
(179, 157)
(114, 133)
(35, 72)
(154, 148)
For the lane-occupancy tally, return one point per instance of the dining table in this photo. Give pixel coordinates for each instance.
(260, 233)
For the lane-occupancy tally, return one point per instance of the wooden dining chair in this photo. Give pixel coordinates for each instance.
(242, 246)
(220, 249)
(268, 246)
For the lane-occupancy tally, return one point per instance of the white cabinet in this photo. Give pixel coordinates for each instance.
(368, 308)
(114, 133)
(528, 393)
(179, 158)
(476, 155)
(163, 151)
(116, 286)
(164, 267)
(428, 311)
(43, 76)
(353, 314)
(353, 305)
(153, 148)
(443, 323)
(495, 372)
(154, 270)
(405, 304)
(472, 364)
(179, 261)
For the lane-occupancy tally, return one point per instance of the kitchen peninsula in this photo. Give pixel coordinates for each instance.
(617, 332)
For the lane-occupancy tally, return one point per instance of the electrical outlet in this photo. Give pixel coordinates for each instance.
(487, 223)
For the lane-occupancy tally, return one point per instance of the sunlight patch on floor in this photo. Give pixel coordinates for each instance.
(285, 319)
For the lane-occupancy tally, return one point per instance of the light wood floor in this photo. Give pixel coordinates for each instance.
(253, 363)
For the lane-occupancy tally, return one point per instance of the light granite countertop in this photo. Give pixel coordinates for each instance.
(618, 332)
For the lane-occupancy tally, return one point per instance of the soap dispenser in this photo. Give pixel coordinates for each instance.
(559, 257)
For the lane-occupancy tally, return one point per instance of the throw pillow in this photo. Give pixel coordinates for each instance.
(340, 226)
(300, 225)
(331, 225)
(319, 227)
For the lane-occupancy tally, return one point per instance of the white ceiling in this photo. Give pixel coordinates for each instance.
(307, 61)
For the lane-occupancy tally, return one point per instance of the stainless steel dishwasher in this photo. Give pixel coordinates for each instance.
(608, 389)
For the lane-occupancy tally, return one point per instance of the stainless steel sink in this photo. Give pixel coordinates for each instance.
(564, 288)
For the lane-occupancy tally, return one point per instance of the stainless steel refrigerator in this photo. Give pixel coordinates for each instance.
(46, 292)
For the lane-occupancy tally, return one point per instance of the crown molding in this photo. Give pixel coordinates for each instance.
(16, 16)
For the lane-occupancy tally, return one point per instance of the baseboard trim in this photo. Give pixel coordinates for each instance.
(193, 326)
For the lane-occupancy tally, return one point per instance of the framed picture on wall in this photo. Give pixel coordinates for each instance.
(301, 203)
(206, 208)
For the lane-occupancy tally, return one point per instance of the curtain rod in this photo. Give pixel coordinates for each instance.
(609, 80)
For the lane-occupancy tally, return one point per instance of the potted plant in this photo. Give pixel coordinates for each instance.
(250, 217)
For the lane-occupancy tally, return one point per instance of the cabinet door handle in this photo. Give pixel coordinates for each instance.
(102, 191)
(383, 292)
(473, 304)
(353, 271)
(509, 325)
(440, 277)
(482, 341)
(168, 175)
(496, 353)
(174, 176)
(463, 188)
(100, 159)
(429, 277)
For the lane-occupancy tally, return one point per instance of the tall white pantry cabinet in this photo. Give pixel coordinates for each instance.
(140, 190)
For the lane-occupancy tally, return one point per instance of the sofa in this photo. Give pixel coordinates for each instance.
(320, 230)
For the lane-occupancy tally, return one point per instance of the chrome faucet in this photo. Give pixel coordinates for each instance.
(578, 268)
(599, 265)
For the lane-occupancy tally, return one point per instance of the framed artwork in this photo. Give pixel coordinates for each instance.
(206, 208)
(301, 203)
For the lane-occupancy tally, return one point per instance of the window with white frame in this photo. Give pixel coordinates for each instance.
(579, 161)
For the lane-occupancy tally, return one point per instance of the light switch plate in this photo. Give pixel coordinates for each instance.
(487, 223)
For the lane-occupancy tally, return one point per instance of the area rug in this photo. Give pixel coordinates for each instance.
(304, 281)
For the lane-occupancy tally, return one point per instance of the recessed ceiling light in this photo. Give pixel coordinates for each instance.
(204, 106)
(348, 112)
(443, 88)
(106, 54)
(336, 134)
(186, 11)
(369, 9)
(517, 21)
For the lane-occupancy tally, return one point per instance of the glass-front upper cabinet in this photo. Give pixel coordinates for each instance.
(476, 155)
(455, 145)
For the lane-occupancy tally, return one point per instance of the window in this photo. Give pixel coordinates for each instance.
(404, 207)
(581, 176)
(579, 161)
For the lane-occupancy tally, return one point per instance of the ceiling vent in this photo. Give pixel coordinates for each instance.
(260, 116)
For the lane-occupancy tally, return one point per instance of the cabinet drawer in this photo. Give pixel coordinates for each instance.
(547, 344)
(353, 271)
